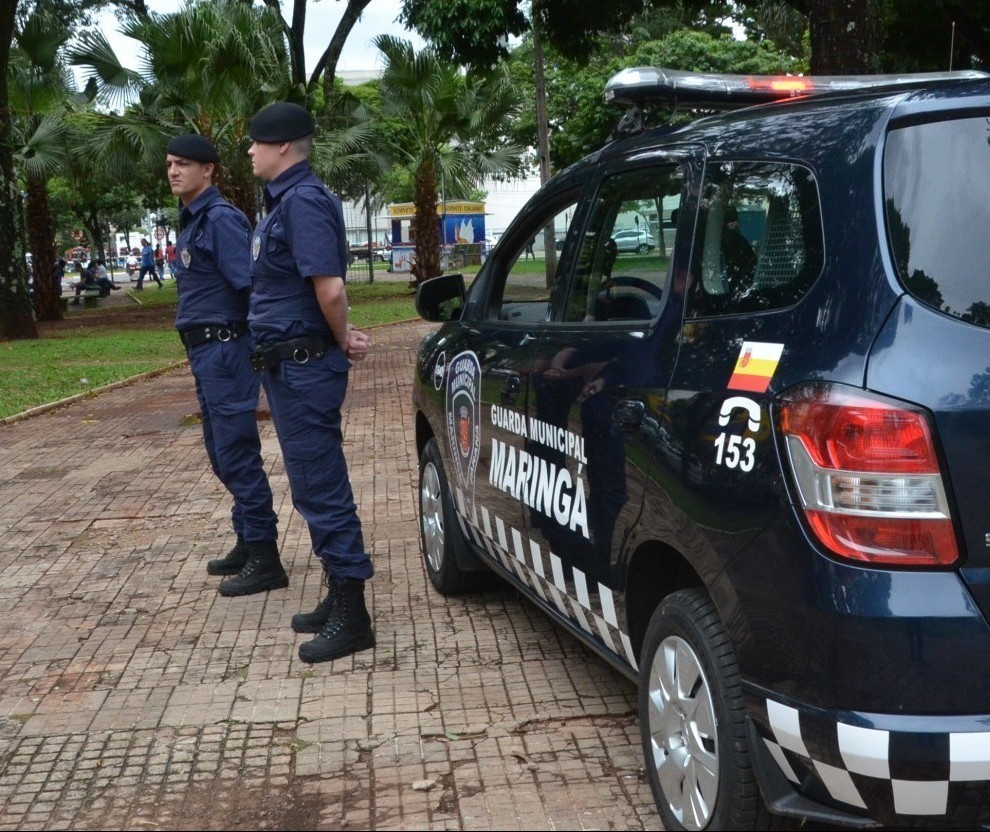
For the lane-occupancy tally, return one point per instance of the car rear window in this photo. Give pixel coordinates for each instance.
(759, 244)
(937, 198)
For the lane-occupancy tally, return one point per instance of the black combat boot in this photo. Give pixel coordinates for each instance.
(262, 571)
(312, 622)
(348, 629)
(232, 562)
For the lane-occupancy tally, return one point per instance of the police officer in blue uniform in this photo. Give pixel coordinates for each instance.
(213, 272)
(299, 320)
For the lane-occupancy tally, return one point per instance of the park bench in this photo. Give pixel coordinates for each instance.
(91, 299)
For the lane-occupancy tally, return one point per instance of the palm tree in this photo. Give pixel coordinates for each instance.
(449, 126)
(208, 69)
(41, 89)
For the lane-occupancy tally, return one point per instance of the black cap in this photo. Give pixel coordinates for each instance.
(281, 122)
(193, 146)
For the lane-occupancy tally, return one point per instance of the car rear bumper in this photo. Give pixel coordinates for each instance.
(860, 769)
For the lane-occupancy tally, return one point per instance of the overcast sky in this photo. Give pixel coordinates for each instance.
(322, 17)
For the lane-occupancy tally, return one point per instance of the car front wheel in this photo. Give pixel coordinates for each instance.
(692, 722)
(441, 534)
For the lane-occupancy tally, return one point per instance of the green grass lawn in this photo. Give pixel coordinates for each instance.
(69, 361)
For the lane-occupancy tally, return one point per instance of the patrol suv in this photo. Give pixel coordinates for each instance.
(748, 467)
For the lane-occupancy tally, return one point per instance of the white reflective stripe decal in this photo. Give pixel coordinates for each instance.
(786, 726)
(608, 604)
(534, 549)
(605, 633)
(627, 646)
(558, 572)
(778, 754)
(595, 615)
(864, 750)
(839, 784)
(969, 756)
(502, 542)
(558, 599)
(579, 615)
(921, 797)
(517, 545)
(581, 588)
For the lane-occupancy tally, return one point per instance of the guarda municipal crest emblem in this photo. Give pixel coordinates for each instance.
(186, 257)
(256, 247)
(463, 406)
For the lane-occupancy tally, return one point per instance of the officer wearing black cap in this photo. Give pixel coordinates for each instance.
(299, 319)
(213, 274)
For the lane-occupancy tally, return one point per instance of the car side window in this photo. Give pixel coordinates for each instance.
(530, 270)
(624, 258)
(759, 242)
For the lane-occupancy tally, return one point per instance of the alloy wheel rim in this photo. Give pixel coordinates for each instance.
(683, 732)
(431, 512)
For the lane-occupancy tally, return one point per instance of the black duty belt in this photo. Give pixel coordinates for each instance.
(196, 335)
(300, 350)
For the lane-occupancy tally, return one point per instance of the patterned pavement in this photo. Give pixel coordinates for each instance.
(133, 696)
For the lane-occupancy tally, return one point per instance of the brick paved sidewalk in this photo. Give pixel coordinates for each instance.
(132, 696)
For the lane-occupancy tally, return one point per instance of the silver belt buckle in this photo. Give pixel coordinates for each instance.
(300, 355)
(224, 334)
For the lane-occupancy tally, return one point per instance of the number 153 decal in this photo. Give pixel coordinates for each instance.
(732, 450)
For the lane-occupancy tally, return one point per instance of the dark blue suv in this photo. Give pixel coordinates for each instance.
(749, 465)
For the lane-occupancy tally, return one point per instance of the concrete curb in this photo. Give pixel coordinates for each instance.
(45, 408)
(113, 385)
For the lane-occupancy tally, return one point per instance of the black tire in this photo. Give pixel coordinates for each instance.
(642, 248)
(440, 533)
(692, 723)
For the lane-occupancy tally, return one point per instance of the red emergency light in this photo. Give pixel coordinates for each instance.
(640, 86)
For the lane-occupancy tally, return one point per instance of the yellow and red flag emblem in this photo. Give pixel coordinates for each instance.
(755, 366)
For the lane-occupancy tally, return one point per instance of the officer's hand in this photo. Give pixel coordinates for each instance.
(358, 343)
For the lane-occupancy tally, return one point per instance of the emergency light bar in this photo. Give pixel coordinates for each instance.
(638, 86)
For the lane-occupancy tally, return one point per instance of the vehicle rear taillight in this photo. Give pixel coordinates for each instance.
(867, 476)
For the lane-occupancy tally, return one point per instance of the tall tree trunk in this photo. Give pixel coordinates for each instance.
(543, 149)
(846, 36)
(41, 239)
(326, 66)
(238, 188)
(425, 229)
(15, 303)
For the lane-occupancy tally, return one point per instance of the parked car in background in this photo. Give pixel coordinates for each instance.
(634, 239)
(381, 252)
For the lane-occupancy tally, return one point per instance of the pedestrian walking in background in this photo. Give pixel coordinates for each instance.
(147, 266)
(170, 251)
(299, 320)
(160, 263)
(214, 283)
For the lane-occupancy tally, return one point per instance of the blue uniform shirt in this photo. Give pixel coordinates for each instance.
(213, 262)
(301, 237)
(147, 256)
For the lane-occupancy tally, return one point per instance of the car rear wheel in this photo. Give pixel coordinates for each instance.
(692, 722)
(442, 539)
(642, 248)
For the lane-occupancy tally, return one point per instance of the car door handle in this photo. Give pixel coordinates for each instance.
(628, 414)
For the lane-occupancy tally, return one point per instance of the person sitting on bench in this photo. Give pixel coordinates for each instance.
(87, 281)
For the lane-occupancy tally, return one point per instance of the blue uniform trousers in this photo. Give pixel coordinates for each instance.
(305, 401)
(227, 389)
